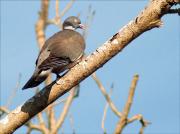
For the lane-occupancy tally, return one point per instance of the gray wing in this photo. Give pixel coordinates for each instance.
(53, 62)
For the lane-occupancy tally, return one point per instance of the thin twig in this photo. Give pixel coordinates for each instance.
(123, 120)
(72, 123)
(105, 112)
(57, 8)
(64, 112)
(143, 122)
(57, 18)
(3, 110)
(68, 6)
(13, 93)
(108, 99)
(36, 127)
(63, 100)
(88, 22)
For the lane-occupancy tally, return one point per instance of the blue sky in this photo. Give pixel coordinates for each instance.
(155, 56)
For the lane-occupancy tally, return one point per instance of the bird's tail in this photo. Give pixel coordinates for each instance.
(35, 80)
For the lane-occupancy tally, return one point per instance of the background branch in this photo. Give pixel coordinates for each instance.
(105, 112)
(107, 97)
(64, 111)
(13, 93)
(123, 120)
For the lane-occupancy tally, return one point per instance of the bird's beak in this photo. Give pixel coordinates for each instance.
(81, 26)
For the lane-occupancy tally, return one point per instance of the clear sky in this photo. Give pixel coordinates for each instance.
(155, 56)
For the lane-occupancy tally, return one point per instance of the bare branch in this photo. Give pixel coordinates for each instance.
(36, 127)
(40, 119)
(149, 18)
(143, 122)
(57, 9)
(72, 123)
(57, 19)
(63, 100)
(3, 110)
(105, 112)
(68, 6)
(123, 120)
(89, 19)
(64, 112)
(108, 99)
(42, 22)
(13, 94)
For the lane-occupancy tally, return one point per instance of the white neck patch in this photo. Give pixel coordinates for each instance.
(69, 27)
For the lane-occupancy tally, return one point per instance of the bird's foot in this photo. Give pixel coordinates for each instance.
(58, 76)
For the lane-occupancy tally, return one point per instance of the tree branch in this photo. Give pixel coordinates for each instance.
(149, 18)
(105, 112)
(143, 122)
(107, 97)
(42, 23)
(123, 120)
(13, 94)
(64, 111)
(68, 6)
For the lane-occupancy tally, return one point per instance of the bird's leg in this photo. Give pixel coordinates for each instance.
(58, 77)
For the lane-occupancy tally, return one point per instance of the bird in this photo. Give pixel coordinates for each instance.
(59, 53)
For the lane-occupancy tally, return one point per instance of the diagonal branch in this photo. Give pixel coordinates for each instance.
(13, 94)
(107, 97)
(149, 18)
(64, 111)
(68, 6)
(123, 120)
(105, 112)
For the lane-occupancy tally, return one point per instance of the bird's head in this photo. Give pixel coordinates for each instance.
(72, 23)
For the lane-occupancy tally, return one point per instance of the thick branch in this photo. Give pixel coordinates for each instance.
(146, 20)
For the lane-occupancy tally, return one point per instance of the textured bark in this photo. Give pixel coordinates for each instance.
(149, 18)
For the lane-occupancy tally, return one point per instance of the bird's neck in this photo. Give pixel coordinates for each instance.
(68, 28)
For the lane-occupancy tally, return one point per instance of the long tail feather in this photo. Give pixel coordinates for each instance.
(34, 81)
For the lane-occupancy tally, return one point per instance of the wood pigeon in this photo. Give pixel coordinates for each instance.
(59, 53)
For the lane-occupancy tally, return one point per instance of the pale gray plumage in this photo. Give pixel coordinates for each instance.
(59, 53)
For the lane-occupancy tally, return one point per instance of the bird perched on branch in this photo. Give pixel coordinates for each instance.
(59, 53)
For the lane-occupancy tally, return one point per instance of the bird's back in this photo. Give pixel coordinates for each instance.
(66, 43)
